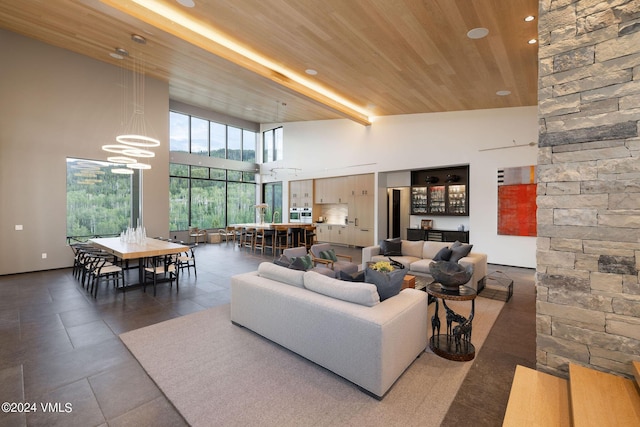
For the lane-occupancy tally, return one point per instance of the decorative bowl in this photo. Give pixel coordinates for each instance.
(450, 275)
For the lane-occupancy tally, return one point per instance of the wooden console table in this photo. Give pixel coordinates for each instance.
(455, 344)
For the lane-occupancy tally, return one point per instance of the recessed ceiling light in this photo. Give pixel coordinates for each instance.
(186, 3)
(529, 18)
(311, 71)
(503, 92)
(477, 33)
(532, 41)
(119, 53)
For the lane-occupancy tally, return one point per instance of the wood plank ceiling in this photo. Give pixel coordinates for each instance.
(387, 57)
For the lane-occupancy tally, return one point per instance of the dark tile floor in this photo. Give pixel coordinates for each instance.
(58, 345)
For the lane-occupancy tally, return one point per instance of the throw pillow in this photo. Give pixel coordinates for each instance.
(354, 277)
(283, 261)
(392, 247)
(297, 264)
(330, 255)
(306, 261)
(388, 284)
(460, 252)
(456, 244)
(443, 254)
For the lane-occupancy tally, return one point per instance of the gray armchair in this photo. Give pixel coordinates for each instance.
(342, 262)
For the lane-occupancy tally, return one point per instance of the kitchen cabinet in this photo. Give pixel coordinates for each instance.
(333, 233)
(361, 185)
(362, 237)
(330, 190)
(322, 233)
(443, 191)
(357, 191)
(339, 234)
(301, 194)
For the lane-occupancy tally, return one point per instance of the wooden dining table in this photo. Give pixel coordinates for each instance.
(147, 249)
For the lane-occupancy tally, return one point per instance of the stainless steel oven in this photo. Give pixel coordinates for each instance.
(294, 215)
(306, 215)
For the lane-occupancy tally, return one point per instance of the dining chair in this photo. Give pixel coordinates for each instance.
(228, 233)
(102, 268)
(187, 259)
(196, 233)
(161, 268)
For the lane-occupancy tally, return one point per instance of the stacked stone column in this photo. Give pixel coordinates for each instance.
(588, 247)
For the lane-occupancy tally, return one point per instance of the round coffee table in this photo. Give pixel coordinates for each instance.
(455, 344)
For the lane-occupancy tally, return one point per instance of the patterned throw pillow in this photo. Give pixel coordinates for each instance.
(330, 255)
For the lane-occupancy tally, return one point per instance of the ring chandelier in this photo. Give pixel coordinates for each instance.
(133, 144)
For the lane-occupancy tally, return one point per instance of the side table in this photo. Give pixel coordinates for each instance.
(455, 344)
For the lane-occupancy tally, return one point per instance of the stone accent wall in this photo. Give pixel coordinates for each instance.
(588, 247)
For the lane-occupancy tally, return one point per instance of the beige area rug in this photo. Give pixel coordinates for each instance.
(219, 374)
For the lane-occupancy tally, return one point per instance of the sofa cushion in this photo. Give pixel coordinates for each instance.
(355, 292)
(388, 284)
(281, 274)
(460, 252)
(421, 266)
(412, 248)
(443, 255)
(391, 247)
(430, 249)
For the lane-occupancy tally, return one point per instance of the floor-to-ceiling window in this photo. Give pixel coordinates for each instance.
(272, 196)
(211, 197)
(99, 202)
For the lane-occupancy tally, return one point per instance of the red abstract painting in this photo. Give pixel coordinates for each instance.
(517, 209)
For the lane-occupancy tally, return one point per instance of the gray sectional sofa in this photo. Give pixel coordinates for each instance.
(341, 326)
(417, 255)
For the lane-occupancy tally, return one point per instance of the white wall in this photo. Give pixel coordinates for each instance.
(56, 104)
(392, 146)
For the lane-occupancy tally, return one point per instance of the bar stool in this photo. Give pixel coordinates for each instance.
(309, 236)
(258, 240)
(281, 239)
(248, 238)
